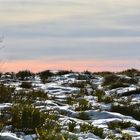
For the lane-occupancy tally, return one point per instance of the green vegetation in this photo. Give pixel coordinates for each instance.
(26, 118)
(104, 73)
(126, 136)
(27, 85)
(71, 126)
(130, 72)
(24, 75)
(99, 94)
(109, 79)
(133, 92)
(44, 75)
(51, 130)
(129, 110)
(70, 100)
(83, 105)
(137, 127)
(78, 84)
(83, 116)
(113, 81)
(29, 97)
(62, 72)
(92, 129)
(119, 124)
(118, 85)
(51, 135)
(5, 94)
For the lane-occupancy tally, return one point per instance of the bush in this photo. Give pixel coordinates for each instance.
(100, 94)
(83, 116)
(133, 92)
(119, 124)
(131, 72)
(27, 85)
(101, 97)
(63, 72)
(78, 84)
(0, 74)
(104, 73)
(83, 105)
(37, 94)
(107, 99)
(89, 74)
(5, 94)
(137, 127)
(118, 85)
(24, 75)
(86, 128)
(129, 110)
(26, 118)
(49, 135)
(29, 97)
(83, 77)
(51, 130)
(70, 100)
(109, 79)
(115, 81)
(44, 75)
(71, 125)
(129, 81)
(126, 136)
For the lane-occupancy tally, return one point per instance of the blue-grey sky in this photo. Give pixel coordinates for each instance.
(70, 34)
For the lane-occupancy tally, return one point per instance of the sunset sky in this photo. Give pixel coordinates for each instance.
(94, 35)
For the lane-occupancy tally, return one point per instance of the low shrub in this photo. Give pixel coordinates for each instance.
(6, 93)
(118, 85)
(27, 85)
(78, 84)
(110, 78)
(119, 124)
(131, 72)
(129, 110)
(89, 128)
(83, 116)
(26, 118)
(24, 75)
(44, 75)
(83, 105)
(71, 126)
(126, 136)
(100, 95)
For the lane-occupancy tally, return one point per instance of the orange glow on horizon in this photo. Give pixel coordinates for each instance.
(75, 65)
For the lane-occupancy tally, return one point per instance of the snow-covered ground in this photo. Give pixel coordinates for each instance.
(99, 115)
